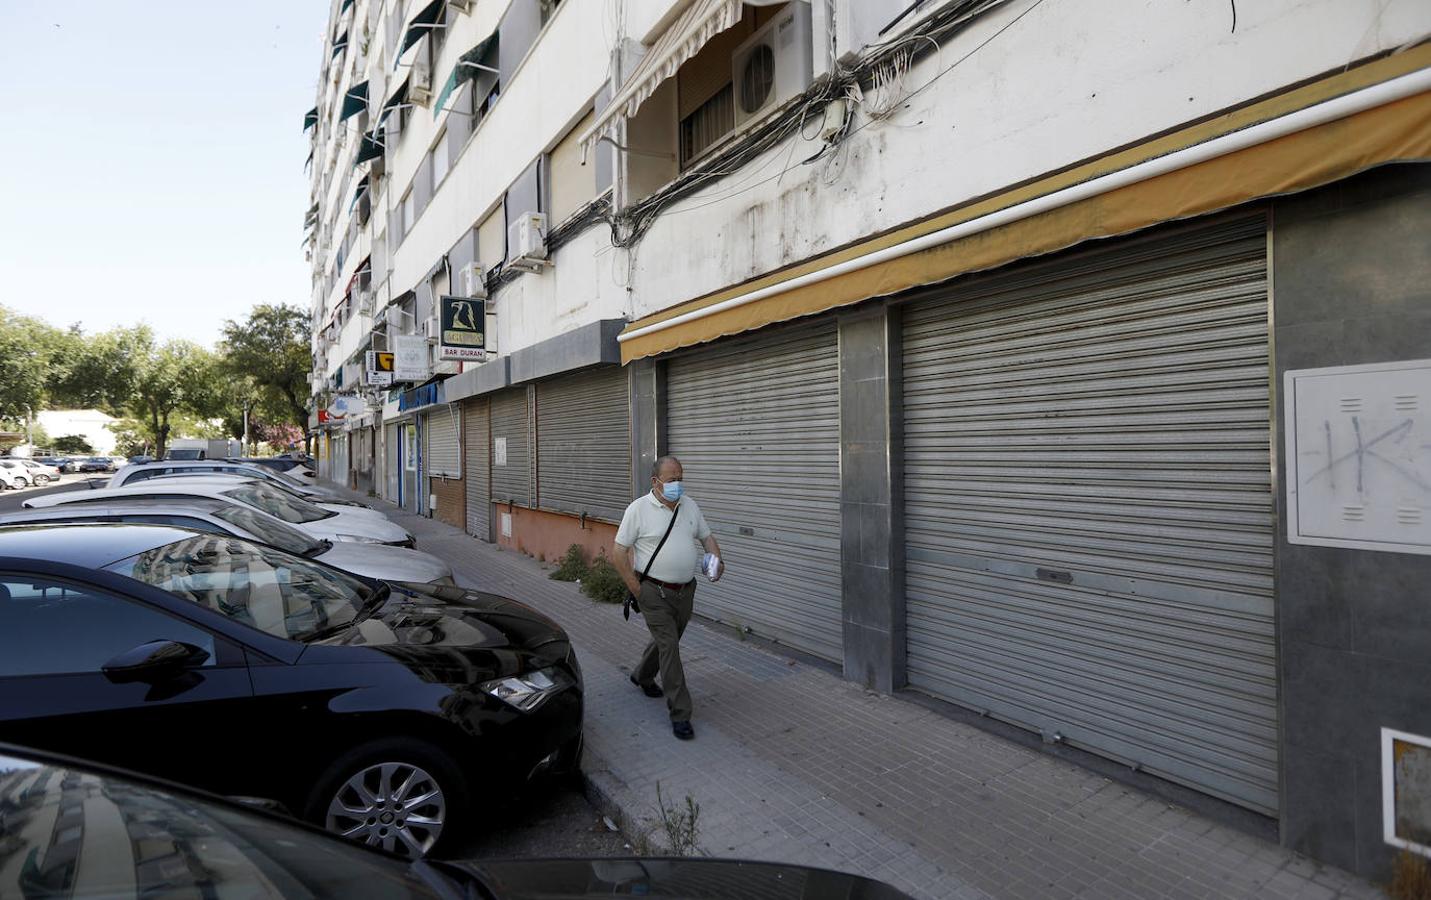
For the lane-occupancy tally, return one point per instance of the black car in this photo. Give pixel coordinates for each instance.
(63, 463)
(382, 711)
(73, 829)
(95, 464)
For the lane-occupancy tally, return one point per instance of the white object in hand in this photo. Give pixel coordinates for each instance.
(710, 565)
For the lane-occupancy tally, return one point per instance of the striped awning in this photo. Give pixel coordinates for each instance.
(702, 20)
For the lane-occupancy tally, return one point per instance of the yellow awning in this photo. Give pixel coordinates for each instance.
(1396, 131)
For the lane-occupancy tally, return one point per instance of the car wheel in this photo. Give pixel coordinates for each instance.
(22, 481)
(42, 479)
(402, 795)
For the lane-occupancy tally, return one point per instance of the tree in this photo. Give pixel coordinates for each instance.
(175, 377)
(105, 368)
(72, 443)
(30, 352)
(272, 349)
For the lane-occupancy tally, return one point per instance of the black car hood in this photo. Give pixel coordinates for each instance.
(453, 635)
(695, 879)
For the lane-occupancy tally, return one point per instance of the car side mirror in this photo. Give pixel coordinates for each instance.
(153, 661)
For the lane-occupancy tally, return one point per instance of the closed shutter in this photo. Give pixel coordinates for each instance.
(755, 422)
(477, 467)
(442, 442)
(1088, 507)
(584, 444)
(511, 459)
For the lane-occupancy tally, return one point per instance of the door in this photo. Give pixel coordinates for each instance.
(511, 450)
(1088, 507)
(476, 467)
(409, 496)
(755, 422)
(584, 444)
(55, 635)
(392, 463)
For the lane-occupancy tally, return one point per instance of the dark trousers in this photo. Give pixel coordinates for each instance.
(667, 613)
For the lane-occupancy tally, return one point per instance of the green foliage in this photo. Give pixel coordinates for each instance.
(681, 825)
(71, 443)
(129, 438)
(573, 566)
(603, 583)
(272, 351)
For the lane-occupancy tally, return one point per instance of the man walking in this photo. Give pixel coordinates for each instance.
(658, 538)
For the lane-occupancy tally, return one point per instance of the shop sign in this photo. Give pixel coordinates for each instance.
(410, 358)
(378, 370)
(464, 329)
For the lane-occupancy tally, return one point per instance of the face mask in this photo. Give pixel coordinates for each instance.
(672, 490)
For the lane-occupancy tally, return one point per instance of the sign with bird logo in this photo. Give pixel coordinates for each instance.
(464, 329)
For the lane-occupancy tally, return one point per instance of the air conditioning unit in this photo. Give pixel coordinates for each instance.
(432, 327)
(419, 81)
(474, 282)
(393, 315)
(365, 303)
(527, 242)
(773, 66)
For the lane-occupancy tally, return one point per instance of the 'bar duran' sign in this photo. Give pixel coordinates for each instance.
(464, 329)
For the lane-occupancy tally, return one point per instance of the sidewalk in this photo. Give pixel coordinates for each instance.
(791, 763)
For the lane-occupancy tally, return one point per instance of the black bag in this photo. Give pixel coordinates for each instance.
(630, 597)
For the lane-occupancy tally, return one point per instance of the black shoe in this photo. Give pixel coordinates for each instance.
(650, 690)
(683, 730)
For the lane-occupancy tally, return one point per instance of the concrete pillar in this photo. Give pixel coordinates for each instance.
(648, 420)
(871, 498)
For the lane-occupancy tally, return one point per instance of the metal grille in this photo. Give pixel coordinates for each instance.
(442, 442)
(756, 424)
(391, 466)
(1088, 508)
(584, 444)
(477, 465)
(512, 476)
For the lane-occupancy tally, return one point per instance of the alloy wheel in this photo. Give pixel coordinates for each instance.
(393, 805)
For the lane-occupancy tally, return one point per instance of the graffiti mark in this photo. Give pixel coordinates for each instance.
(1363, 452)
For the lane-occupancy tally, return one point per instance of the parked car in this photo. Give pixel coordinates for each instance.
(229, 518)
(336, 524)
(13, 478)
(63, 463)
(197, 844)
(140, 460)
(135, 473)
(40, 473)
(385, 712)
(96, 464)
(303, 470)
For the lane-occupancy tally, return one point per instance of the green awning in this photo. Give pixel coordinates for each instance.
(421, 24)
(355, 101)
(309, 161)
(312, 217)
(310, 118)
(344, 7)
(396, 99)
(469, 65)
(368, 148)
(340, 44)
(362, 189)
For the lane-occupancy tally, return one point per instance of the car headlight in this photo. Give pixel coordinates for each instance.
(358, 539)
(530, 689)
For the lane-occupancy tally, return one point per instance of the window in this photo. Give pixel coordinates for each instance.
(278, 593)
(572, 184)
(548, 9)
(409, 212)
(705, 127)
(441, 160)
(49, 627)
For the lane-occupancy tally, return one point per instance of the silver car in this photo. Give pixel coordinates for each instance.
(337, 524)
(225, 517)
(137, 472)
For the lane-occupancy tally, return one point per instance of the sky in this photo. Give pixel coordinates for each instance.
(151, 159)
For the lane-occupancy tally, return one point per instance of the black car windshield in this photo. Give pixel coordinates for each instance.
(269, 529)
(284, 595)
(76, 834)
(279, 503)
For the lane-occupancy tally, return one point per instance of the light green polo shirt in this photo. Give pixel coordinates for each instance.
(643, 524)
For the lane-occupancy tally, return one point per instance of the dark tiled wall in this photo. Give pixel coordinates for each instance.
(1351, 266)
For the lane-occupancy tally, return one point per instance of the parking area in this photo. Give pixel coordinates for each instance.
(10, 499)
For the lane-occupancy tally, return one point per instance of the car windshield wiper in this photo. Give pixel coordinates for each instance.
(451, 882)
(370, 604)
(319, 548)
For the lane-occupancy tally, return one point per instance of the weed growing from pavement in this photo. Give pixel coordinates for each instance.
(681, 825)
(573, 566)
(603, 583)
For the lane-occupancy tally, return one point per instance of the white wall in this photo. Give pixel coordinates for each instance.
(88, 422)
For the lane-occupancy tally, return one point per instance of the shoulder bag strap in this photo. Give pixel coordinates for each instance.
(663, 542)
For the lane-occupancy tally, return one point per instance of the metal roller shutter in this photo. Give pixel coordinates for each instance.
(511, 459)
(756, 424)
(584, 444)
(477, 466)
(442, 442)
(392, 470)
(1088, 507)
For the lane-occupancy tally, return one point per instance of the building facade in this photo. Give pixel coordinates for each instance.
(975, 325)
